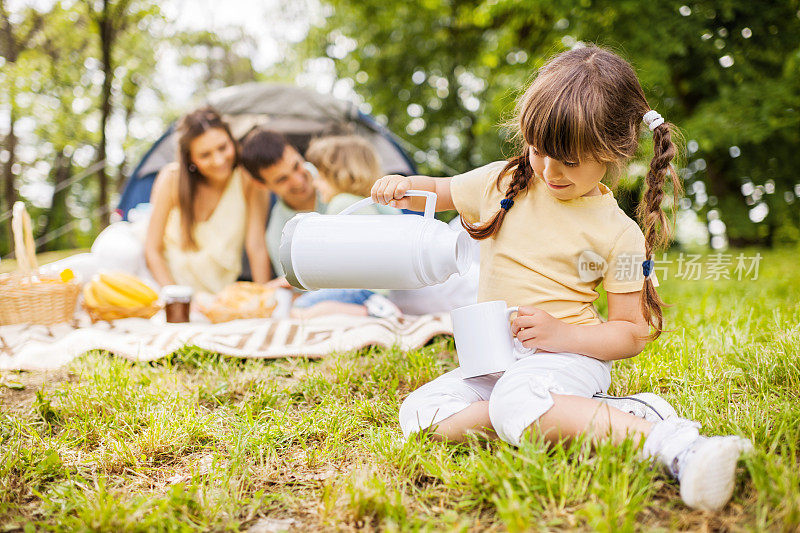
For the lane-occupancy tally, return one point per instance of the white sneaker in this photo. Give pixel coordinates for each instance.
(647, 405)
(707, 470)
(380, 306)
(704, 466)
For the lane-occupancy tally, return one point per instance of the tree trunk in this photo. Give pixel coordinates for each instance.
(717, 184)
(58, 215)
(105, 27)
(9, 181)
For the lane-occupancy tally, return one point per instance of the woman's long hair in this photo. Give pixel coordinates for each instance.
(190, 127)
(586, 103)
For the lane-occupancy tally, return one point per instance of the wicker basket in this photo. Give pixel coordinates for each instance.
(27, 297)
(239, 300)
(218, 313)
(109, 313)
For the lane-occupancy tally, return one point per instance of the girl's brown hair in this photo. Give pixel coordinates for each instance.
(586, 103)
(348, 162)
(190, 127)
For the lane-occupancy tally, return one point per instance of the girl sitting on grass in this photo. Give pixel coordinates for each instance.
(537, 216)
(347, 167)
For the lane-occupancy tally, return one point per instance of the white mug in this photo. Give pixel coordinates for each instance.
(484, 342)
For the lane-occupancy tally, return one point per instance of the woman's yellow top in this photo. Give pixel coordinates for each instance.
(217, 260)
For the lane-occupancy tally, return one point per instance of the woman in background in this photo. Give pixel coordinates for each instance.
(204, 211)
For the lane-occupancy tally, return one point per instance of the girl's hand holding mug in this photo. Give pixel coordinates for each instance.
(389, 190)
(484, 343)
(539, 329)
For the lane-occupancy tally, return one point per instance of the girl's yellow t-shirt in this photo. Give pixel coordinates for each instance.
(550, 253)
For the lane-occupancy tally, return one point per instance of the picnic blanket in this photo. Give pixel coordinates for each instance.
(26, 347)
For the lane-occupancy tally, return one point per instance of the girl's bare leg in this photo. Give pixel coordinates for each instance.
(571, 416)
(472, 420)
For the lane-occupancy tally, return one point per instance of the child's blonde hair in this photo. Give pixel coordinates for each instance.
(587, 103)
(348, 162)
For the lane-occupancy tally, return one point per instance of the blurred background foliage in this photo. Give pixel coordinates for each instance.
(442, 74)
(446, 73)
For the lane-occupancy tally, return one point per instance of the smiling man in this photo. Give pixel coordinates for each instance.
(274, 164)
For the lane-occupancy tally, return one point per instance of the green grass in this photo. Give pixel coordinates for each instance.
(10, 265)
(199, 441)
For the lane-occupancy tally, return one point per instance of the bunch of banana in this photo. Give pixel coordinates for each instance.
(118, 289)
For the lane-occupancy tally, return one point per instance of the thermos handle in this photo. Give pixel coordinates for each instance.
(430, 203)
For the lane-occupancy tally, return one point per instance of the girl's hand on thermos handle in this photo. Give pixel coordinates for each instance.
(389, 190)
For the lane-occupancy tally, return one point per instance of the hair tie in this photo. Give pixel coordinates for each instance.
(506, 203)
(647, 267)
(653, 119)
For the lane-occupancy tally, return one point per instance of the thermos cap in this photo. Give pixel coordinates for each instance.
(285, 250)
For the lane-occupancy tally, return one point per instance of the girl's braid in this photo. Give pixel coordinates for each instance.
(520, 179)
(657, 231)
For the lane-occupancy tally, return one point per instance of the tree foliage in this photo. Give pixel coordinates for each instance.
(222, 58)
(115, 22)
(445, 74)
(19, 30)
(65, 86)
(72, 72)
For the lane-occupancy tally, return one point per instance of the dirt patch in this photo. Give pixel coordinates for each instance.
(18, 388)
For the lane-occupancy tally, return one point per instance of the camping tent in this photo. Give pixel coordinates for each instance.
(300, 114)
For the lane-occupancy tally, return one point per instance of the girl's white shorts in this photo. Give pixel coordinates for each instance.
(517, 397)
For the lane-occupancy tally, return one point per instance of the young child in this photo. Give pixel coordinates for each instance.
(537, 216)
(347, 167)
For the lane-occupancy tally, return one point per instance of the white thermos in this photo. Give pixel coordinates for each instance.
(372, 251)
